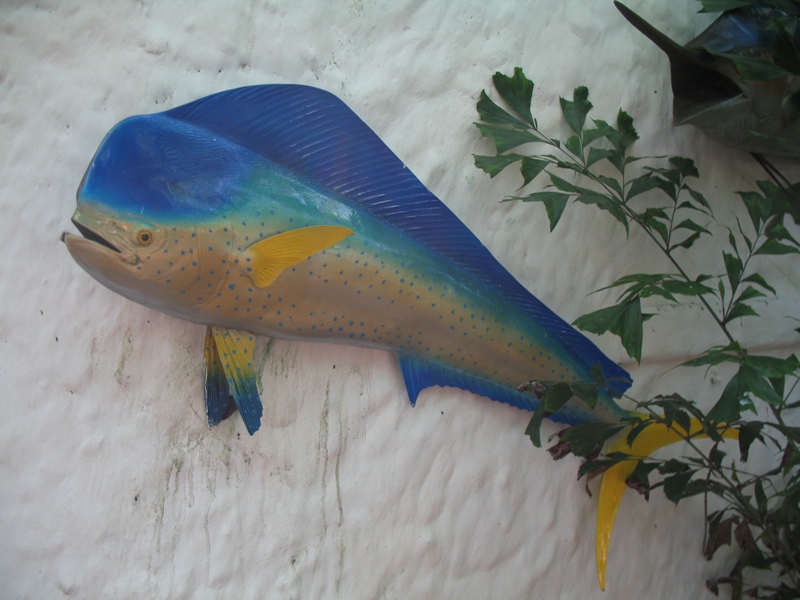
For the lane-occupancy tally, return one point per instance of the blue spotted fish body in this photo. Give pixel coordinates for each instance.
(274, 210)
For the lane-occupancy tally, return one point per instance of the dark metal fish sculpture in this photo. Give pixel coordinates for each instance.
(725, 81)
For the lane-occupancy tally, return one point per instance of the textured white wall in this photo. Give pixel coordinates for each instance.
(112, 484)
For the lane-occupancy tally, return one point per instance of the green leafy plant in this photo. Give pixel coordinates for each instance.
(593, 166)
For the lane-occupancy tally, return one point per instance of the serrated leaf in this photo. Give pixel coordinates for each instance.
(648, 182)
(573, 144)
(563, 185)
(605, 203)
(623, 320)
(588, 437)
(627, 132)
(575, 112)
(517, 91)
(597, 154)
(612, 183)
(685, 166)
(495, 164)
(492, 113)
(590, 135)
(531, 167)
(554, 204)
(778, 232)
(534, 428)
(505, 139)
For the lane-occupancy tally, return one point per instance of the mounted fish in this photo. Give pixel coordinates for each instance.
(738, 80)
(274, 210)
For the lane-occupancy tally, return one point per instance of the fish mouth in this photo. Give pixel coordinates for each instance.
(93, 236)
(92, 242)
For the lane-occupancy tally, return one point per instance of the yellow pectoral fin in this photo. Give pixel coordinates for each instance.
(614, 481)
(268, 258)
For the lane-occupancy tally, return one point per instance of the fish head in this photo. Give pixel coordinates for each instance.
(153, 211)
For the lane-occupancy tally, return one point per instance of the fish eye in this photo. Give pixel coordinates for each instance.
(144, 237)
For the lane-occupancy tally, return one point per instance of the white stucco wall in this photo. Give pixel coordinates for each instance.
(113, 486)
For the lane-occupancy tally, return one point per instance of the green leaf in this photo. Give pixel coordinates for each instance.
(591, 135)
(761, 497)
(575, 112)
(623, 320)
(754, 69)
(734, 268)
(723, 5)
(612, 183)
(606, 203)
(691, 226)
(728, 407)
(739, 310)
(685, 166)
(563, 185)
(556, 397)
(748, 433)
(627, 132)
(531, 167)
(505, 139)
(573, 144)
(700, 199)
(749, 293)
(597, 154)
(648, 182)
(517, 91)
(586, 392)
(758, 385)
(686, 288)
(773, 246)
(675, 485)
(588, 437)
(772, 367)
(533, 430)
(753, 201)
(784, 51)
(492, 113)
(554, 204)
(688, 242)
(495, 164)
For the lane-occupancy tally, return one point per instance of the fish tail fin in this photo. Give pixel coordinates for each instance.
(614, 479)
(695, 84)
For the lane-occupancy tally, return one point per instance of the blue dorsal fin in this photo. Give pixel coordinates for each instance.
(235, 352)
(315, 135)
(419, 375)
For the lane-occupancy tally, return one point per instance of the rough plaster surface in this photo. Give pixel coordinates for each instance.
(113, 485)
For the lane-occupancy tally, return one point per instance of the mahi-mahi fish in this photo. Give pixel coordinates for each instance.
(274, 210)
